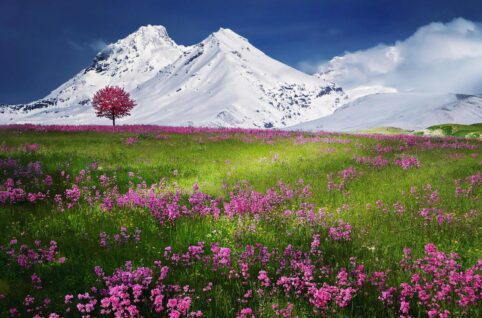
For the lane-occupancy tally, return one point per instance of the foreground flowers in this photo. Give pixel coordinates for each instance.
(373, 234)
(437, 285)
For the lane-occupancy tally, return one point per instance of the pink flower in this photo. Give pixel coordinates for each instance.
(407, 162)
(264, 279)
(342, 232)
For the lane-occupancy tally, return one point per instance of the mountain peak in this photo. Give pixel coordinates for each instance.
(146, 50)
(145, 35)
(225, 34)
(151, 30)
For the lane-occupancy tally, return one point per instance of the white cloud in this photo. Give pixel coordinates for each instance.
(309, 66)
(438, 57)
(95, 45)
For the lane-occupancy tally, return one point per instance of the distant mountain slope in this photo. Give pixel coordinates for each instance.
(411, 111)
(222, 81)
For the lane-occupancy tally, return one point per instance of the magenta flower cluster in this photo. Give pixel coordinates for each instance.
(27, 256)
(406, 162)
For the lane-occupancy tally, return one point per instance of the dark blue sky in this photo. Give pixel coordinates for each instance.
(43, 43)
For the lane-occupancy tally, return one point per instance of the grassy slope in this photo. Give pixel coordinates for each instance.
(455, 130)
(473, 131)
(378, 239)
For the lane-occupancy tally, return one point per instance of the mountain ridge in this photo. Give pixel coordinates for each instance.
(237, 85)
(225, 81)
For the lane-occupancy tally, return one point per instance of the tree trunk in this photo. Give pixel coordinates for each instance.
(113, 121)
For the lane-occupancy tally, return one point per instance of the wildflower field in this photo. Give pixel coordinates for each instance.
(149, 221)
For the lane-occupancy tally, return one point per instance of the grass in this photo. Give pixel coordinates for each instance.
(377, 240)
(443, 130)
(457, 130)
(386, 131)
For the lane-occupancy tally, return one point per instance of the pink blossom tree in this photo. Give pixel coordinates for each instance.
(112, 102)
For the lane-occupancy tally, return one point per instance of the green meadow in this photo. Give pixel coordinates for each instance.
(382, 204)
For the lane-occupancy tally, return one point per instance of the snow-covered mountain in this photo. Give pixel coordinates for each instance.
(226, 81)
(127, 63)
(412, 111)
(222, 81)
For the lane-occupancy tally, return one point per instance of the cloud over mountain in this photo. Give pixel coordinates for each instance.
(438, 57)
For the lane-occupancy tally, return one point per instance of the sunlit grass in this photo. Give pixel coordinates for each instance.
(217, 165)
